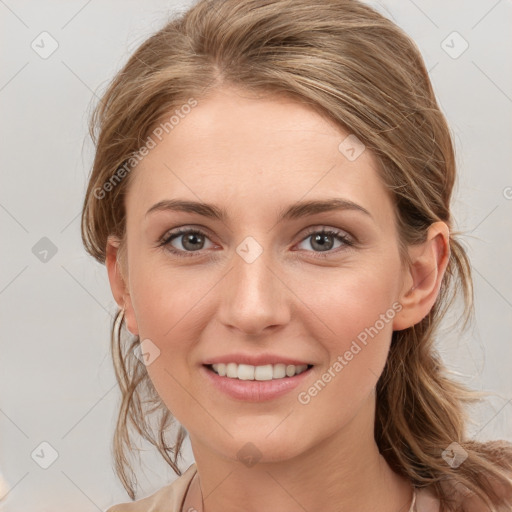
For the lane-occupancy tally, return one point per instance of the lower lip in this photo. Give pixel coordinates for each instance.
(254, 390)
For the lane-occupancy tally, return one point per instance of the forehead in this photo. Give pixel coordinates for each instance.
(235, 147)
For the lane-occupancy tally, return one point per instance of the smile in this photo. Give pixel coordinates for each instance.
(248, 383)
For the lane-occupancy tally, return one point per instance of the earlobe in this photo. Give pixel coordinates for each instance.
(118, 283)
(428, 262)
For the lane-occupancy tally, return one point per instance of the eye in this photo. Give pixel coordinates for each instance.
(188, 241)
(324, 240)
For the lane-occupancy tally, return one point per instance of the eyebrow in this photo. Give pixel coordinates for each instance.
(294, 211)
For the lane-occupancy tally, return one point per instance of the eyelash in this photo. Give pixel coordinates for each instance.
(165, 241)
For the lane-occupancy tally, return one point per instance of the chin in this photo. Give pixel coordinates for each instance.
(260, 447)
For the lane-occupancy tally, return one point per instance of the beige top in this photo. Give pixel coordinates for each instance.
(168, 498)
(171, 498)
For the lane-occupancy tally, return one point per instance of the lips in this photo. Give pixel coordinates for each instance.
(254, 390)
(255, 377)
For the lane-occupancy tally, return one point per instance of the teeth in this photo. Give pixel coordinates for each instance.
(265, 372)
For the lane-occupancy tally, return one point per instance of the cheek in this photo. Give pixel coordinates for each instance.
(169, 316)
(356, 309)
(364, 305)
(169, 308)
(351, 301)
(164, 298)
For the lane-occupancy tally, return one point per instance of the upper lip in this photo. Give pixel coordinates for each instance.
(254, 360)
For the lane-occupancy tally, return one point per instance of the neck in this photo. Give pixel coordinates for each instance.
(345, 472)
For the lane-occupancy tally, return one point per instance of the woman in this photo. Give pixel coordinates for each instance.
(271, 197)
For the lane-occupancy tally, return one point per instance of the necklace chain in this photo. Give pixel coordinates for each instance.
(413, 504)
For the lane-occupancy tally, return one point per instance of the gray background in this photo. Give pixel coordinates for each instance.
(56, 379)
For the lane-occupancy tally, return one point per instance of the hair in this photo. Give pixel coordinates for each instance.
(357, 68)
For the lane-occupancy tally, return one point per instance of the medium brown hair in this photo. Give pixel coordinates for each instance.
(359, 69)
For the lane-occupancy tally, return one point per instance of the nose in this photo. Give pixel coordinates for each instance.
(254, 300)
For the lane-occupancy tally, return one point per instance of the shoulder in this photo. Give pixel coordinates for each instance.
(168, 498)
(498, 452)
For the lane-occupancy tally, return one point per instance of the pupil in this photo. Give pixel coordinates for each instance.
(321, 239)
(191, 239)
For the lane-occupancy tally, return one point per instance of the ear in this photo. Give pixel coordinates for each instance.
(428, 262)
(116, 264)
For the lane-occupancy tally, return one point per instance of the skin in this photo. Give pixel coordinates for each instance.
(253, 156)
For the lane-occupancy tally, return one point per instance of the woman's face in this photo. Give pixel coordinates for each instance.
(259, 285)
